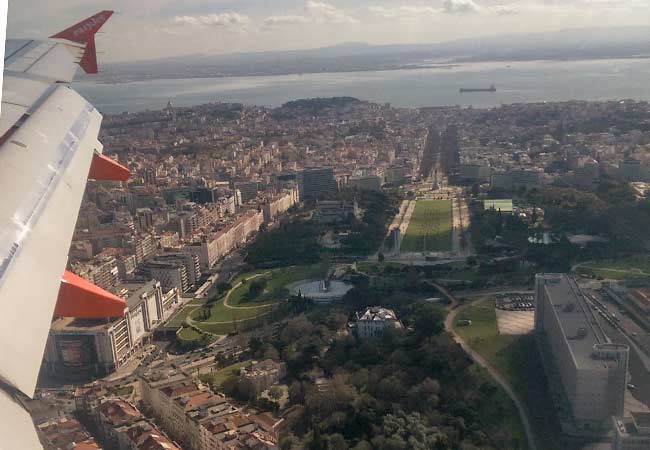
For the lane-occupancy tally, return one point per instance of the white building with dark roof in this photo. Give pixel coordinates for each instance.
(374, 320)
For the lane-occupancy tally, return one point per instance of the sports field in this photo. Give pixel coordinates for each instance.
(430, 227)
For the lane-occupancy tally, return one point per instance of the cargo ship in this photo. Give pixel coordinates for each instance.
(490, 89)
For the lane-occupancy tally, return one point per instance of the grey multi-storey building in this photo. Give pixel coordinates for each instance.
(315, 182)
(248, 190)
(585, 370)
(77, 348)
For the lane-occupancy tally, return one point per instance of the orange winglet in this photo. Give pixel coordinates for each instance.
(104, 168)
(84, 33)
(80, 298)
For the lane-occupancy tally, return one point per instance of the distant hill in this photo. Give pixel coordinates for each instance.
(584, 43)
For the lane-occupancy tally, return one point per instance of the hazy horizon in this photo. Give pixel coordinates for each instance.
(153, 29)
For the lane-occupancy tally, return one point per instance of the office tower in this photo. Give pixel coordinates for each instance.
(316, 182)
(578, 356)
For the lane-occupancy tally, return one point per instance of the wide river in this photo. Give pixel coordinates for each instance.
(516, 82)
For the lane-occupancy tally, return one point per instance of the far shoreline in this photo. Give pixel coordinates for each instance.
(458, 63)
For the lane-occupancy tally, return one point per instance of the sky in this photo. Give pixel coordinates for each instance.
(148, 29)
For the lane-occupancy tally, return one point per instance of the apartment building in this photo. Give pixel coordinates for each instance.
(65, 433)
(123, 427)
(200, 419)
(102, 271)
(262, 375)
(315, 182)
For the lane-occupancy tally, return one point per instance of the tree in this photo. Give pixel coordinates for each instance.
(223, 287)
(317, 441)
(337, 442)
(255, 344)
(362, 445)
(256, 288)
(412, 276)
(270, 352)
(297, 391)
(276, 393)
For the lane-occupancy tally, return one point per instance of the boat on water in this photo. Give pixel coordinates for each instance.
(492, 88)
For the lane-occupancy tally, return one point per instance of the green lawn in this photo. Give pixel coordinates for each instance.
(430, 227)
(373, 268)
(500, 409)
(229, 327)
(178, 320)
(220, 313)
(248, 311)
(625, 268)
(124, 391)
(216, 378)
(467, 274)
(482, 335)
(518, 360)
(189, 334)
(276, 282)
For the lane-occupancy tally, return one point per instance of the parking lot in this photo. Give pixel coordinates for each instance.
(515, 322)
(515, 301)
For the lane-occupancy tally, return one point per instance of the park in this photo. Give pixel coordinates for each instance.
(430, 227)
(515, 358)
(249, 302)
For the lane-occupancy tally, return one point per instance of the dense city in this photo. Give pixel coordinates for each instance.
(336, 274)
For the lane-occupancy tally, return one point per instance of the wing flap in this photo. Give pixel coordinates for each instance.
(22, 91)
(43, 170)
(51, 60)
(59, 63)
(11, 115)
(28, 55)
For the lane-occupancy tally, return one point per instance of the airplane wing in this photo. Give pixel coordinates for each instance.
(48, 149)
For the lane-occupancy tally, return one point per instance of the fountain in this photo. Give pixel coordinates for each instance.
(323, 291)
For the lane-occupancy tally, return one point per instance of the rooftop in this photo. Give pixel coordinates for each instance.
(77, 324)
(67, 433)
(589, 345)
(377, 313)
(641, 419)
(119, 412)
(133, 292)
(164, 375)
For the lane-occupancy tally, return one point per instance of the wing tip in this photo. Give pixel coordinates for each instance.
(84, 33)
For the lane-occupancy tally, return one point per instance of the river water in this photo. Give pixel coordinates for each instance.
(516, 82)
